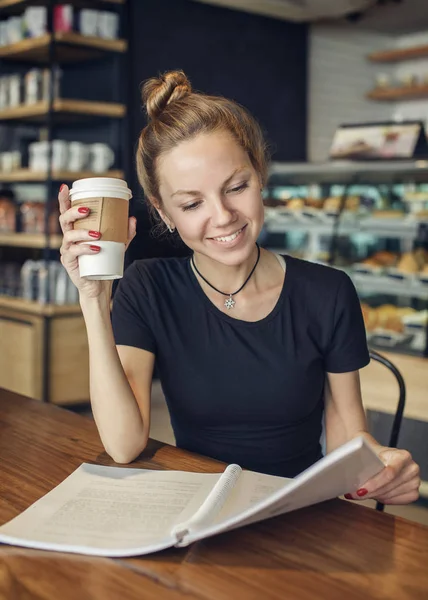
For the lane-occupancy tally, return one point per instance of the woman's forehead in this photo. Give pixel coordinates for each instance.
(203, 160)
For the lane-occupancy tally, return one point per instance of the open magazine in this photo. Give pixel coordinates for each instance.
(116, 511)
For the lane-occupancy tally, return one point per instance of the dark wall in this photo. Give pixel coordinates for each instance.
(258, 61)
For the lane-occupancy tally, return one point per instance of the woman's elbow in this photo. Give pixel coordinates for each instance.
(124, 456)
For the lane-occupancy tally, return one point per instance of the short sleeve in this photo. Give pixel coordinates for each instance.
(347, 350)
(131, 312)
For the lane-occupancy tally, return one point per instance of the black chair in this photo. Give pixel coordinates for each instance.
(398, 418)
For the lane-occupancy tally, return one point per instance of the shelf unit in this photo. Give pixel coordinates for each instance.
(344, 171)
(50, 339)
(399, 54)
(30, 240)
(386, 285)
(14, 5)
(71, 47)
(399, 93)
(394, 229)
(29, 176)
(63, 110)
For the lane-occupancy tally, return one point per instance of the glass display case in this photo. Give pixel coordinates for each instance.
(369, 219)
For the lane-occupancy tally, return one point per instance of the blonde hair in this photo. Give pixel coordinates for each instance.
(177, 114)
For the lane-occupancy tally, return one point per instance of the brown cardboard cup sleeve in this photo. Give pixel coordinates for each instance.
(109, 216)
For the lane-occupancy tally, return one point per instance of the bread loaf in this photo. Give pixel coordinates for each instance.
(408, 263)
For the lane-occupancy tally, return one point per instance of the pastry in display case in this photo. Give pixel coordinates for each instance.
(370, 220)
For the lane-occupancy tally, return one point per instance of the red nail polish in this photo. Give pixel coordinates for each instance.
(362, 492)
(94, 234)
(83, 210)
(62, 187)
(95, 248)
(348, 496)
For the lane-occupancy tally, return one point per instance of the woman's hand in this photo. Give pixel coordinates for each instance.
(71, 249)
(397, 483)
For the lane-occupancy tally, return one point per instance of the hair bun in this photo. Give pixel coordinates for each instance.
(158, 92)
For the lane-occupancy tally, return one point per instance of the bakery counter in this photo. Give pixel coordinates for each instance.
(393, 289)
(402, 285)
(392, 283)
(297, 216)
(346, 171)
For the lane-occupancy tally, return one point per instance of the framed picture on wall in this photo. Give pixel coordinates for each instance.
(380, 141)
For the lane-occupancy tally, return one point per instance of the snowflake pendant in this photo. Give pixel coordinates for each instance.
(229, 303)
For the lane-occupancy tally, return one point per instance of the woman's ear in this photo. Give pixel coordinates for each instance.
(164, 217)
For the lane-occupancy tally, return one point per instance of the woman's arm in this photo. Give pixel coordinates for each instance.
(120, 385)
(344, 413)
(345, 419)
(120, 378)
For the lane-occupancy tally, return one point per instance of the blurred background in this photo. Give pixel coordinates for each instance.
(340, 88)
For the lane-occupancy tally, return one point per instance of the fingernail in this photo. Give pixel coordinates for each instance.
(361, 492)
(348, 496)
(95, 248)
(94, 234)
(83, 210)
(62, 187)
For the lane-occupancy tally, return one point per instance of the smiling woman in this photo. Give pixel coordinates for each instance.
(247, 379)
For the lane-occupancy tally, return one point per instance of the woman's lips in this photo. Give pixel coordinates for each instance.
(229, 240)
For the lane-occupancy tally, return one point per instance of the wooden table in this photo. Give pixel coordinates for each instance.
(333, 550)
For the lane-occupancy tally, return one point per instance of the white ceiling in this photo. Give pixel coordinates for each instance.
(392, 17)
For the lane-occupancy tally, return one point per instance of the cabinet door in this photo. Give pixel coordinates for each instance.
(21, 352)
(69, 360)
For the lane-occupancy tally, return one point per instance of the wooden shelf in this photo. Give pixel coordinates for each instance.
(64, 109)
(35, 308)
(399, 54)
(71, 47)
(29, 240)
(26, 176)
(399, 93)
(16, 5)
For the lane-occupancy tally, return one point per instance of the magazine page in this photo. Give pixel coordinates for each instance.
(110, 511)
(344, 470)
(212, 505)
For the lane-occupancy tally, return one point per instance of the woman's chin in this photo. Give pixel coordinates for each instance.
(232, 256)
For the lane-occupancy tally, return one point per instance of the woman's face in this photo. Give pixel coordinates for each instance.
(212, 194)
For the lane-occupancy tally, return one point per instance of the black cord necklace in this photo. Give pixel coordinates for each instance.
(229, 302)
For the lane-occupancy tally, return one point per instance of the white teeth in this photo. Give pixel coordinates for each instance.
(229, 238)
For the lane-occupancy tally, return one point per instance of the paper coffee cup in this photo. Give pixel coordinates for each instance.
(108, 201)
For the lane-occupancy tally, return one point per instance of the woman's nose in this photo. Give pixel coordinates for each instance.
(221, 214)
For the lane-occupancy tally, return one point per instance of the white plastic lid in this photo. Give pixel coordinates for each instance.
(101, 184)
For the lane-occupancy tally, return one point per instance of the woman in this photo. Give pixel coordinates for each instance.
(252, 348)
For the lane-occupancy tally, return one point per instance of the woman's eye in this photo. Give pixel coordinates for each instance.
(191, 206)
(235, 190)
(238, 188)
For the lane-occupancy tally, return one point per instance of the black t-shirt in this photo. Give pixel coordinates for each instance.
(243, 392)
